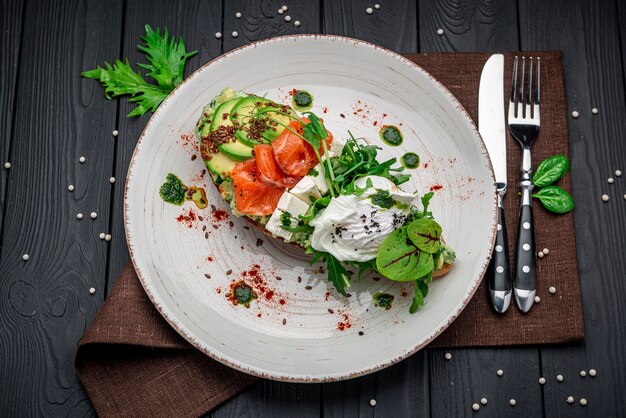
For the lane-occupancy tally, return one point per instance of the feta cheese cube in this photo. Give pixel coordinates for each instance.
(319, 179)
(337, 145)
(306, 190)
(292, 205)
(274, 225)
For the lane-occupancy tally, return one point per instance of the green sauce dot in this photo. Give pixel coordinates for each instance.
(410, 160)
(391, 135)
(302, 100)
(383, 300)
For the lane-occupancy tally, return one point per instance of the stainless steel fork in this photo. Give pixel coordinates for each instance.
(524, 125)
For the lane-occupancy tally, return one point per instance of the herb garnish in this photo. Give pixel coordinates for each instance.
(553, 198)
(166, 64)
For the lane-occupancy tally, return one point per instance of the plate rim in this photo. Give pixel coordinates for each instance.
(295, 377)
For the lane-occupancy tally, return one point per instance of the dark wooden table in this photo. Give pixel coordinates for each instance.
(50, 116)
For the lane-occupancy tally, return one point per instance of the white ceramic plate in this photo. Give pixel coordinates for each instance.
(301, 339)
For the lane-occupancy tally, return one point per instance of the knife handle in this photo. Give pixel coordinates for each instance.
(499, 274)
(525, 270)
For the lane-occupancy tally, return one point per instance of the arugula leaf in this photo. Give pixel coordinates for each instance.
(425, 233)
(550, 170)
(421, 290)
(555, 199)
(166, 62)
(337, 274)
(400, 260)
(426, 201)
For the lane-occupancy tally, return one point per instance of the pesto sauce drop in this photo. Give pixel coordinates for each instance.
(175, 192)
(302, 100)
(391, 135)
(383, 199)
(410, 160)
(241, 294)
(383, 300)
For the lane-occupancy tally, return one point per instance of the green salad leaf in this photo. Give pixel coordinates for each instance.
(555, 199)
(550, 170)
(337, 274)
(166, 62)
(421, 290)
(400, 260)
(425, 234)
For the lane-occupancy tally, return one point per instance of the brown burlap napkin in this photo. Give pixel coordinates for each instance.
(132, 363)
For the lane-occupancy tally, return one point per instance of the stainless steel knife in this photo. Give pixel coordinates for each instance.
(493, 131)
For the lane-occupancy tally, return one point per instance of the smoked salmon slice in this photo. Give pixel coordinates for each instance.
(268, 170)
(253, 197)
(294, 156)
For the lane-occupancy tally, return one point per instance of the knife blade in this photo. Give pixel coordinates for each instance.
(492, 128)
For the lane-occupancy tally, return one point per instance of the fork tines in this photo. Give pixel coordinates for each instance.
(529, 91)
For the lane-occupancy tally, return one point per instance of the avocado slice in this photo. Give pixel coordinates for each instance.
(220, 164)
(243, 114)
(273, 131)
(234, 149)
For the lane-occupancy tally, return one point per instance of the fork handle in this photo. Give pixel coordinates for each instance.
(525, 271)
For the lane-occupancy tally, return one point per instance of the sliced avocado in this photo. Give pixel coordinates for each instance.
(272, 132)
(234, 149)
(243, 114)
(221, 117)
(220, 164)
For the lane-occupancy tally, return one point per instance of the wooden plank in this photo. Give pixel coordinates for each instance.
(196, 21)
(45, 303)
(478, 25)
(12, 13)
(261, 20)
(468, 25)
(588, 33)
(393, 26)
(274, 399)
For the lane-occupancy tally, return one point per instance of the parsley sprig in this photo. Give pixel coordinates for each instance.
(166, 63)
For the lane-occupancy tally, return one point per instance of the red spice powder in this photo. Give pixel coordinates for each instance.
(404, 292)
(282, 301)
(219, 214)
(345, 324)
(258, 282)
(188, 218)
(209, 258)
(325, 109)
(258, 315)
(327, 296)
(375, 123)
(436, 187)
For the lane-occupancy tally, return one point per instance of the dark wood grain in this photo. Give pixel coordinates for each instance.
(588, 34)
(468, 25)
(12, 15)
(196, 21)
(393, 26)
(45, 303)
(261, 20)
